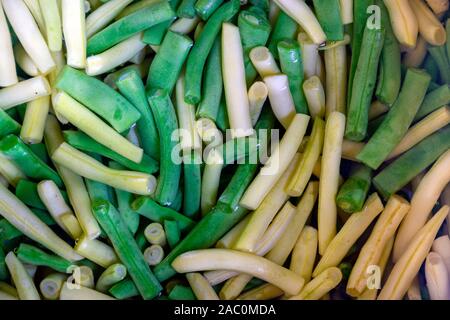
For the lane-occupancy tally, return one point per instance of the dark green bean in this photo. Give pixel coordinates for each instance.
(192, 175)
(35, 256)
(7, 124)
(285, 28)
(353, 193)
(433, 101)
(205, 8)
(329, 15)
(180, 292)
(173, 233)
(186, 9)
(124, 289)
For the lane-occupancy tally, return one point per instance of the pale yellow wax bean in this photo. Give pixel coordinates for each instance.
(154, 233)
(6, 296)
(34, 121)
(82, 164)
(24, 91)
(264, 62)
(320, 285)
(438, 6)
(277, 163)
(185, 25)
(406, 268)
(371, 252)
(371, 293)
(103, 15)
(76, 190)
(413, 58)
(211, 180)
(404, 21)
(430, 28)
(336, 79)
(422, 202)
(198, 30)
(189, 137)
(280, 252)
(346, 11)
(349, 233)
(81, 293)
(350, 149)
(228, 240)
(315, 96)
(427, 126)
(53, 200)
(274, 11)
(442, 246)
(86, 277)
(234, 286)
(303, 172)
(304, 253)
(377, 109)
(264, 292)
(329, 178)
(8, 75)
(265, 212)
(208, 132)
(9, 289)
(113, 274)
(201, 287)
(93, 126)
(139, 56)
(115, 56)
(280, 98)
(30, 37)
(437, 277)
(20, 216)
(51, 285)
(154, 254)
(219, 259)
(71, 224)
(33, 6)
(234, 82)
(414, 290)
(257, 96)
(304, 16)
(22, 280)
(320, 69)
(10, 171)
(3, 180)
(310, 54)
(24, 61)
(52, 20)
(74, 29)
(218, 276)
(97, 251)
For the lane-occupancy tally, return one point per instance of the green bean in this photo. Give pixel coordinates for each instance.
(169, 60)
(200, 51)
(27, 192)
(186, 9)
(398, 119)
(261, 4)
(292, 66)
(254, 29)
(192, 184)
(98, 97)
(353, 193)
(166, 122)
(33, 167)
(441, 59)
(329, 15)
(124, 200)
(4, 274)
(178, 202)
(8, 232)
(360, 16)
(81, 141)
(112, 275)
(141, 240)
(40, 150)
(155, 35)
(7, 124)
(131, 87)
(222, 121)
(431, 67)
(99, 191)
(395, 176)
(433, 101)
(173, 233)
(180, 292)
(126, 248)
(205, 8)
(365, 79)
(213, 85)
(124, 289)
(285, 28)
(35, 256)
(153, 211)
(390, 62)
(129, 25)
